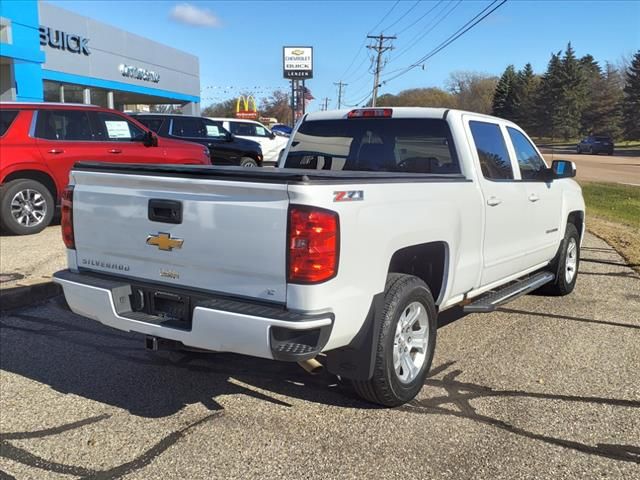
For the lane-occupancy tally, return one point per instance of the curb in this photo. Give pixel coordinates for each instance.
(27, 295)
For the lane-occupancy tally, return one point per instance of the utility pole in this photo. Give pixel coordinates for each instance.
(340, 84)
(325, 107)
(380, 48)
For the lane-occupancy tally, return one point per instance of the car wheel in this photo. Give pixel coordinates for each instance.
(248, 162)
(27, 207)
(405, 343)
(565, 266)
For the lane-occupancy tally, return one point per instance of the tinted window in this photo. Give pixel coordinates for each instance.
(492, 151)
(63, 125)
(241, 128)
(602, 139)
(153, 124)
(111, 127)
(529, 161)
(389, 144)
(6, 119)
(188, 127)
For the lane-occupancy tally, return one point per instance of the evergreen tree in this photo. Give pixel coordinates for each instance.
(525, 92)
(548, 98)
(631, 102)
(504, 98)
(572, 98)
(602, 114)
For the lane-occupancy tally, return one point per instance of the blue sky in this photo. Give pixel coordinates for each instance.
(239, 43)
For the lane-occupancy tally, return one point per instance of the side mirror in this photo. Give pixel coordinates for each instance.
(229, 137)
(563, 169)
(150, 139)
(272, 135)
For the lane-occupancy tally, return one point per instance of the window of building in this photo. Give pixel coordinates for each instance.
(6, 119)
(63, 125)
(111, 127)
(492, 151)
(51, 91)
(529, 161)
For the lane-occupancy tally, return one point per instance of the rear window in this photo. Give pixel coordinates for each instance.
(6, 119)
(385, 144)
(63, 125)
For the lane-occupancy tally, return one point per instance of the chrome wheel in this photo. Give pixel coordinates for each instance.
(410, 342)
(571, 260)
(28, 207)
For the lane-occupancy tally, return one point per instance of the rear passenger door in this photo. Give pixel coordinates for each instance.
(543, 206)
(65, 137)
(505, 244)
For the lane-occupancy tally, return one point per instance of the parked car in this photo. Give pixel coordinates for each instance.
(595, 144)
(380, 219)
(224, 147)
(40, 142)
(272, 145)
(282, 129)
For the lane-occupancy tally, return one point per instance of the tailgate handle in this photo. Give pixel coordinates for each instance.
(165, 211)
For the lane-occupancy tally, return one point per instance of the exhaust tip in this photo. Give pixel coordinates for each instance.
(151, 343)
(311, 366)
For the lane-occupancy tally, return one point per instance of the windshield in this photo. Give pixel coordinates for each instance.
(384, 144)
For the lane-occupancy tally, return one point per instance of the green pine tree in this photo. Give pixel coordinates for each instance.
(569, 111)
(548, 97)
(504, 97)
(602, 113)
(525, 101)
(631, 101)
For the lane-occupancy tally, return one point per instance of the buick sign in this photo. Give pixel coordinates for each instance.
(139, 73)
(64, 41)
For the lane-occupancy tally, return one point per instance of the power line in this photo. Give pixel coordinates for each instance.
(452, 38)
(365, 40)
(325, 104)
(380, 48)
(420, 18)
(403, 15)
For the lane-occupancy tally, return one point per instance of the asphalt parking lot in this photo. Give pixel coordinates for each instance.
(545, 388)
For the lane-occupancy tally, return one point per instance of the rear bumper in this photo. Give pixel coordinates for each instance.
(217, 323)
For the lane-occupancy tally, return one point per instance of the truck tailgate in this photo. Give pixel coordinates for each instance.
(231, 237)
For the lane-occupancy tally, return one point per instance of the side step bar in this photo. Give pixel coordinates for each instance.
(489, 301)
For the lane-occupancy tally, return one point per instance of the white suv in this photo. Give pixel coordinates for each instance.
(272, 145)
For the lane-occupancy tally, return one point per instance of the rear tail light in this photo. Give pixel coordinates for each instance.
(370, 113)
(313, 244)
(67, 217)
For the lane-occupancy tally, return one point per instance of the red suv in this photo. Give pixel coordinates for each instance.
(40, 143)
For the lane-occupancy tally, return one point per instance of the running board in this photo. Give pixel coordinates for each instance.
(490, 301)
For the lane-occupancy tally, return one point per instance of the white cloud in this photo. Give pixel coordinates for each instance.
(192, 15)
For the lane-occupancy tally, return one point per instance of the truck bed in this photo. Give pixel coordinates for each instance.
(267, 175)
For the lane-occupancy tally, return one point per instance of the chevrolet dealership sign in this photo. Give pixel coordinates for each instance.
(297, 62)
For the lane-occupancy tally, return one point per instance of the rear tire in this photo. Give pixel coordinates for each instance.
(26, 207)
(248, 162)
(405, 343)
(565, 266)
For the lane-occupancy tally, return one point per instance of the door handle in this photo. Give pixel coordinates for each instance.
(115, 150)
(533, 197)
(56, 151)
(493, 201)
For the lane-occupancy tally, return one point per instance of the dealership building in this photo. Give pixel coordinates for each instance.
(51, 54)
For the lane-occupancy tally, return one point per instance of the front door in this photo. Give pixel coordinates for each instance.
(543, 205)
(121, 140)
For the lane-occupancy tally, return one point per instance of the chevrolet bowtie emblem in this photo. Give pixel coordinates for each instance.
(164, 241)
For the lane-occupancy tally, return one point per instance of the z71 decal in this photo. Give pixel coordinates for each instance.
(348, 196)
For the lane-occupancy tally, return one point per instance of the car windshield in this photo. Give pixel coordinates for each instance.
(383, 144)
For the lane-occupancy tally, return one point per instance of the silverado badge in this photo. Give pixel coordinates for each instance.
(164, 241)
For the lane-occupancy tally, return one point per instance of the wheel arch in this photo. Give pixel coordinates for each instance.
(427, 261)
(576, 217)
(36, 175)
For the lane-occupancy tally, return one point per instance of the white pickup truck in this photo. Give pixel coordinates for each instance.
(375, 221)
